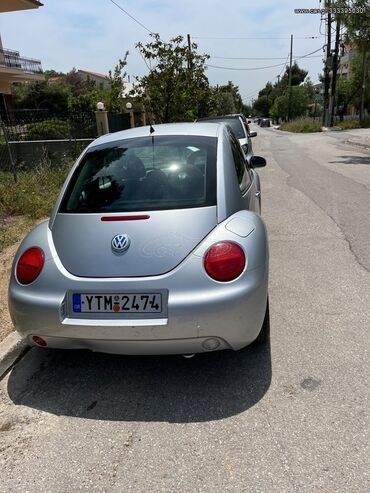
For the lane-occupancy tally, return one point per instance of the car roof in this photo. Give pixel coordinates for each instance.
(200, 129)
(220, 117)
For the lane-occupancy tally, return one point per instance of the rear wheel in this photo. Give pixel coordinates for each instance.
(264, 335)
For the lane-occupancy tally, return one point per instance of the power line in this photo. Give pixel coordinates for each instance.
(249, 68)
(267, 66)
(131, 16)
(309, 54)
(255, 38)
(283, 69)
(250, 94)
(260, 58)
(142, 56)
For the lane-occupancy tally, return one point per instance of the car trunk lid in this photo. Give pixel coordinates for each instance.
(159, 241)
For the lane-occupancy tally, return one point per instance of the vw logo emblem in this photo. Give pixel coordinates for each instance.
(120, 243)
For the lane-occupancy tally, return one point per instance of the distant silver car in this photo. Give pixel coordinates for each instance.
(155, 246)
(239, 125)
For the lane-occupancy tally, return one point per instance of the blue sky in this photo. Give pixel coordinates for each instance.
(92, 35)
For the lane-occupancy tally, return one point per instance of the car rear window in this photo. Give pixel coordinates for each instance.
(234, 123)
(142, 174)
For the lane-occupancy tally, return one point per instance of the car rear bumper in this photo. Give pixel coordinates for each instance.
(134, 347)
(198, 307)
(231, 317)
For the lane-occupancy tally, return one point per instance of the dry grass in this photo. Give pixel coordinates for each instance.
(301, 125)
(33, 194)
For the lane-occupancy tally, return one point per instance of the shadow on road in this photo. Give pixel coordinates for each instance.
(122, 388)
(352, 160)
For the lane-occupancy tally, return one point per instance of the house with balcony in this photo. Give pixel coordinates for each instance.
(13, 66)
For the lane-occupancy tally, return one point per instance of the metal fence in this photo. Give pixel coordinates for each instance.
(30, 136)
(30, 125)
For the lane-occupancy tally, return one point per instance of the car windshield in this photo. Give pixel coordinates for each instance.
(235, 124)
(146, 173)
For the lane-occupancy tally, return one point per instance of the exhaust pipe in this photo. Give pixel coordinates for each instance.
(188, 356)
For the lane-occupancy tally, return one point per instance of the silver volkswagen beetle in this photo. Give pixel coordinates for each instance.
(155, 246)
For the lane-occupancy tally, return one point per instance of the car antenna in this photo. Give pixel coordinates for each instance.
(151, 131)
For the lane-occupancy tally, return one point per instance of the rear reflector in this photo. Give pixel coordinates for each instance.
(124, 218)
(224, 261)
(39, 341)
(30, 265)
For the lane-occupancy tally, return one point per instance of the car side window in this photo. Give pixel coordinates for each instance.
(244, 178)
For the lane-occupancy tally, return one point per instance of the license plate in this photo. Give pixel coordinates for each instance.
(117, 303)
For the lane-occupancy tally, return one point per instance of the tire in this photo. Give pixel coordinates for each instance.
(264, 335)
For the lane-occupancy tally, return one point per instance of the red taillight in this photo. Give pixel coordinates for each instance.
(30, 265)
(224, 261)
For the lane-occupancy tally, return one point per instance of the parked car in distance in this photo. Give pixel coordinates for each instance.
(155, 246)
(265, 122)
(240, 127)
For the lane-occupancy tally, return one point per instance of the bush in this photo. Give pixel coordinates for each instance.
(351, 124)
(35, 192)
(302, 125)
(48, 130)
(347, 124)
(365, 123)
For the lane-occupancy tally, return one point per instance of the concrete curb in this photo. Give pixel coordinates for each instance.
(332, 129)
(11, 348)
(358, 144)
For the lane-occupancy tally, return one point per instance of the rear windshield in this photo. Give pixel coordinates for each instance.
(142, 174)
(235, 124)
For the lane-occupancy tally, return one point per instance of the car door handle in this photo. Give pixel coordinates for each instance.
(257, 194)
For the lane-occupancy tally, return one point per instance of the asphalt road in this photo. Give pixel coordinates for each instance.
(294, 417)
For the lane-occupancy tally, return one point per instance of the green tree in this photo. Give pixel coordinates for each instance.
(298, 76)
(267, 96)
(41, 95)
(225, 99)
(247, 109)
(113, 97)
(76, 84)
(357, 25)
(176, 87)
(262, 105)
(344, 94)
(298, 106)
(357, 34)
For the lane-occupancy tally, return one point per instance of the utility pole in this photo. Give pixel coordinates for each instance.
(335, 70)
(189, 55)
(290, 77)
(327, 68)
(363, 88)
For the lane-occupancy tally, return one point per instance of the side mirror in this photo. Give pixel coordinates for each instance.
(258, 162)
(252, 134)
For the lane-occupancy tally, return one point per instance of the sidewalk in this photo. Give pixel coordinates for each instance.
(359, 137)
(360, 141)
